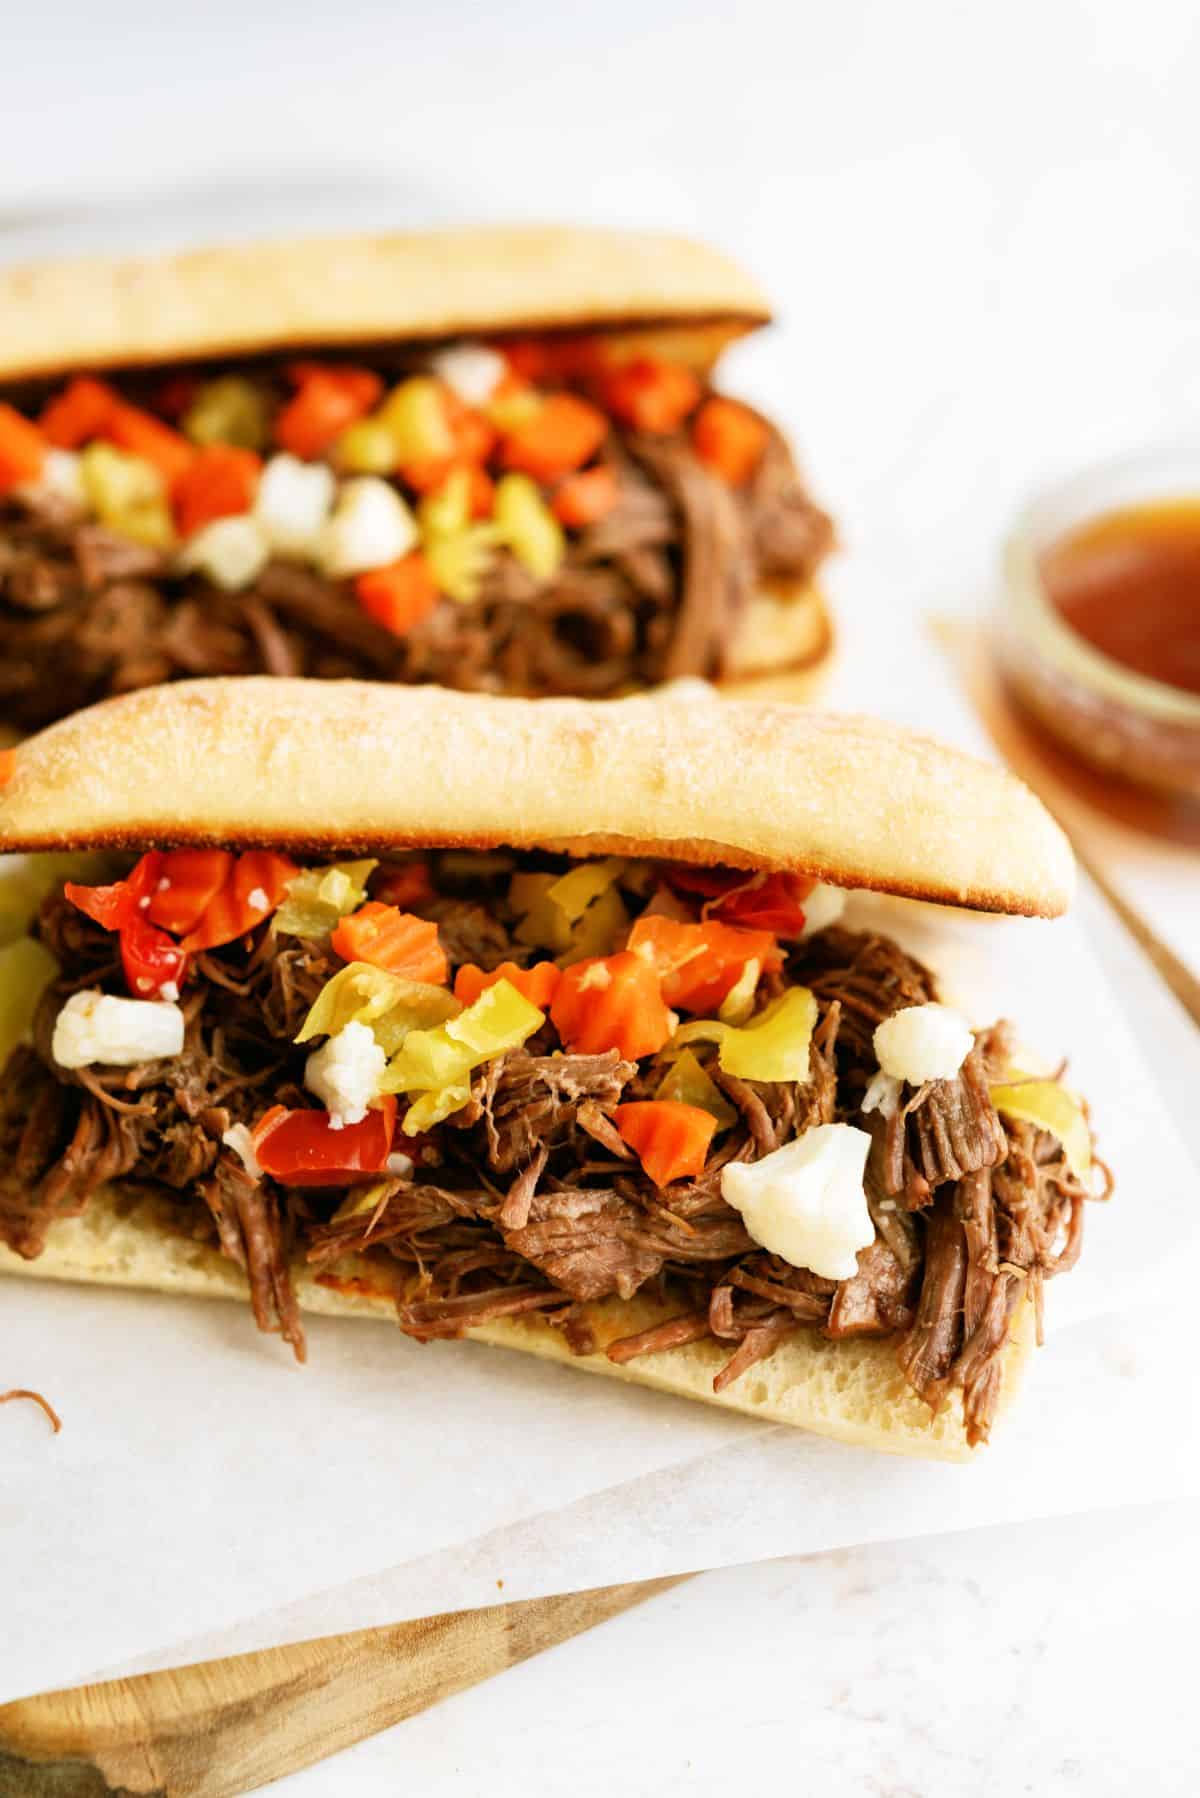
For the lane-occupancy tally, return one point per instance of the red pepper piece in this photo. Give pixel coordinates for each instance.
(301, 1148)
(151, 959)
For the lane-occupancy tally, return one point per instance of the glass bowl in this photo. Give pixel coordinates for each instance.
(1125, 724)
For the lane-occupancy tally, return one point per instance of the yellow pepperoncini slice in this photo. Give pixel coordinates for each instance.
(686, 1082)
(415, 415)
(528, 527)
(316, 898)
(447, 510)
(738, 1004)
(460, 562)
(773, 1046)
(230, 409)
(603, 925)
(575, 890)
(437, 1064)
(126, 492)
(366, 447)
(541, 924)
(1049, 1105)
(389, 1005)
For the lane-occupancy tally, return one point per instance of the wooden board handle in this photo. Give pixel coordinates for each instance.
(221, 1728)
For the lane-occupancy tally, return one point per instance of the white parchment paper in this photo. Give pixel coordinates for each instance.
(201, 1479)
(1105, 1422)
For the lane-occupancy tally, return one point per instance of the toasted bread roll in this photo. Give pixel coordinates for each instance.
(304, 764)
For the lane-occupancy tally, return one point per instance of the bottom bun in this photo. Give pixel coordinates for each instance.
(851, 1390)
(783, 648)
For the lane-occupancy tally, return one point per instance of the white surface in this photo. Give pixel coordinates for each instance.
(980, 226)
(1046, 1661)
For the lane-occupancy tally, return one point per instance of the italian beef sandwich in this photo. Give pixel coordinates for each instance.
(541, 1023)
(493, 459)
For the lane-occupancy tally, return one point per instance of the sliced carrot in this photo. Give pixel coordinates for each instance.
(80, 412)
(730, 439)
(325, 402)
(538, 984)
(554, 358)
(400, 595)
(481, 496)
(612, 1002)
(220, 482)
(8, 765)
(670, 1140)
(651, 394)
(700, 964)
(402, 883)
(144, 435)
(509, 388)
(563, 434)
(363, 386)
(528, 360)
(392, 939)
(22, 448)
(253, 888)
(586, 497)
(474, 436)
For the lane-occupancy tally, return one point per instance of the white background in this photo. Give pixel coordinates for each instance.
(980, 226)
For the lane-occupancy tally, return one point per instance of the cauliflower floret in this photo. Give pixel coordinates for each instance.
(100, 1027)
(293, 502)
(470, 370)
(232, 552)
(883, 1095)
(923, 1042)
(806, 1201)
(345, 1074)
(823, 907)
(370, 527)
(61, 478)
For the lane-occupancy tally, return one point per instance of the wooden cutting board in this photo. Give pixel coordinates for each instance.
(225, 1727)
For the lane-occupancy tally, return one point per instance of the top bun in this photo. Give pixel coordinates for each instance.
(328, 765)
(316, 293)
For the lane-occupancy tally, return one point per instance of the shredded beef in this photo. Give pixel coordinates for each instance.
(789, 532)
(927, 1351)
(990, 1239)
(718, 569)
(776, 1111)
(403, 1212)
(652, 590)
(945, 1130)
(532, 1099)
(877, 1299)
(252, 1233)
(691, 1327)
(869, 977)
(529, 1200)
(431, 1319)
(518, 1201)
(470, 933)
(589, 1243)
(57, 1146)
(296, 975)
